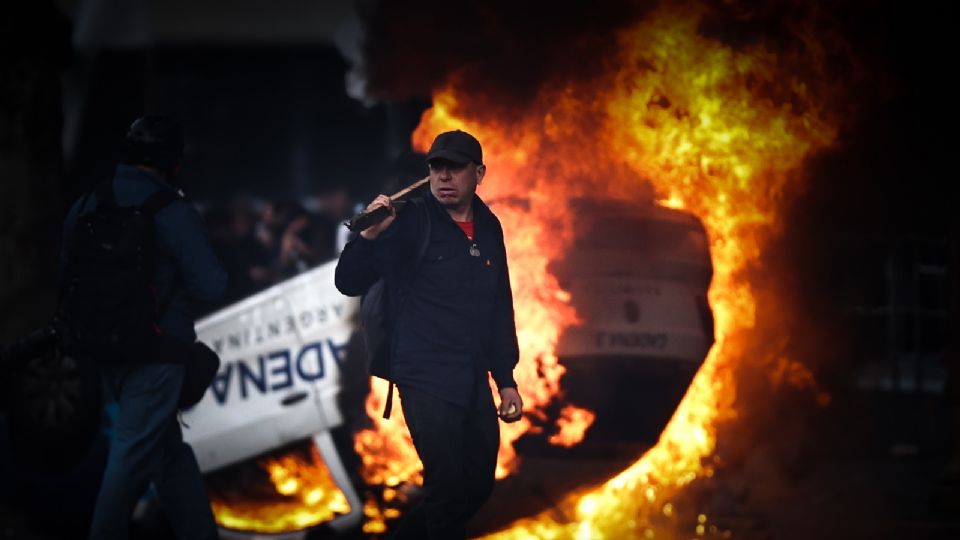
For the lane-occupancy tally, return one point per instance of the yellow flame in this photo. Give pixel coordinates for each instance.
(686, 121)
(689, 115)
(309, 497)
(572, 423)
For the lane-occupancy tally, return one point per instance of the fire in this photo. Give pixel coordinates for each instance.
(387, 451)
(685, 120)
(389, 458)
(307, 493)
(541, 307)
(679, 119)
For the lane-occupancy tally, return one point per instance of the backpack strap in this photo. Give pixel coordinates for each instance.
(165, 303)
(157, 201)
(107, 198)
(425, 229)
(421, 253)
(389, 406)
(425, 237)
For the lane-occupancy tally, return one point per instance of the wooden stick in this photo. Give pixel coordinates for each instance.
(369, 218)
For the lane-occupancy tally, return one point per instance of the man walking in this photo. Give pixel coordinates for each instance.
(453, 324)
(147, 446)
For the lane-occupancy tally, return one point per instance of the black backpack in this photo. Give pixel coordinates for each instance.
(109, 307)
(382, 302)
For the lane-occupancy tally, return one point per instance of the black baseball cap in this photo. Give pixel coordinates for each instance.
(456, 146)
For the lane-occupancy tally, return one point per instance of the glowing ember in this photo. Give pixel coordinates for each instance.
(309, 497)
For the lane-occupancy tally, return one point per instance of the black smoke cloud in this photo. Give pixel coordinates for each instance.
(496, 47)
(510, 49)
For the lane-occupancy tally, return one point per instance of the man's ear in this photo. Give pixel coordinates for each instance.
(481, 171)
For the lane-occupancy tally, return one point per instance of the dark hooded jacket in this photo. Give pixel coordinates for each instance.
(187, 269)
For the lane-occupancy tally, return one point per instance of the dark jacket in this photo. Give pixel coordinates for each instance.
(455, 318)
(186, 264)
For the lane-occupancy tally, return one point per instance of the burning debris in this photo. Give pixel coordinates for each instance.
(289, 490)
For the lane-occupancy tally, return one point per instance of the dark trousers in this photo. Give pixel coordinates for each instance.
(458, 447)
(148, 447)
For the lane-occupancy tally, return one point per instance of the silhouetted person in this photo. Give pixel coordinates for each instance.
(148, 446)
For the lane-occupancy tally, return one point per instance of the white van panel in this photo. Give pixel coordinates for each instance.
(634, 317)
(279, 376)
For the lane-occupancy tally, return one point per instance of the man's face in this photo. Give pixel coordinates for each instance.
(453, 184)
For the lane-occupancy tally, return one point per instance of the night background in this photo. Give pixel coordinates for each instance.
(314, 104)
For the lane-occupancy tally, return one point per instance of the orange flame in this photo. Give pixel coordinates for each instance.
(572, 423)
(389, 458)
(710, 130)
(307, 493)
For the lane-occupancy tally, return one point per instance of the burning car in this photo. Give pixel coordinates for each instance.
(638, 276)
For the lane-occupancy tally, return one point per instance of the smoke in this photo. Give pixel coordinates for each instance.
(504, 48)
(498, 47)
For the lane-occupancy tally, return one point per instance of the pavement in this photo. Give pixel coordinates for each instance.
(860, 473)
